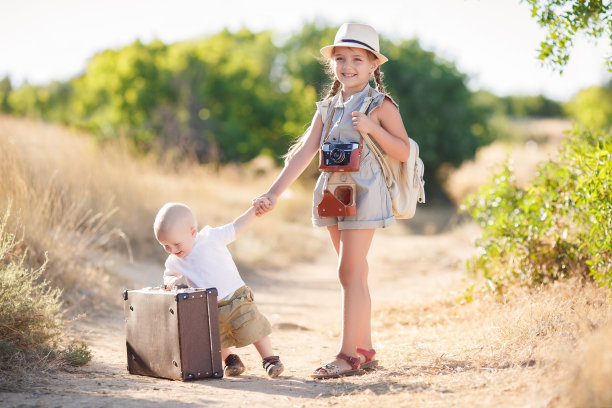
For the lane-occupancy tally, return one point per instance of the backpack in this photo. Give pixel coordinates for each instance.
(404, 179)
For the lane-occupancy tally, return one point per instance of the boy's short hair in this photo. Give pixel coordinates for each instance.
(171, 214)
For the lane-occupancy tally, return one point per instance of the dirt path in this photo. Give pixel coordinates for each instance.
(303, 304)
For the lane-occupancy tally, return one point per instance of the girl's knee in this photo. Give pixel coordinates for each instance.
(352, 275)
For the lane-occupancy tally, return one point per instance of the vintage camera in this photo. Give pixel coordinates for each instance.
(339, 196)
(339, 157)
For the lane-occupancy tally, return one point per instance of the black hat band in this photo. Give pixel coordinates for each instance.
(359, 42)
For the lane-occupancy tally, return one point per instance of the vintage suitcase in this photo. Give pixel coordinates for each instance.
(173, 334)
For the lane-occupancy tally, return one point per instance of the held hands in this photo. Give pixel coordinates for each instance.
(264, 203)
(362, 122)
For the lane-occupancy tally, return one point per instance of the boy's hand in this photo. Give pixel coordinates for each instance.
(169, 283)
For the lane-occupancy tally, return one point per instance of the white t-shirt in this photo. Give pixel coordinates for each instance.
(209, 264)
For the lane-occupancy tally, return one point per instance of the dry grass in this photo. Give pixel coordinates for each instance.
(75, 205)
(78, 201)
(31, 320)
(553, 343)
(589, 385)
(533, 142)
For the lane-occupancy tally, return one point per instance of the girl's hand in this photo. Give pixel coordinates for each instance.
(264, 203)
(362, 122)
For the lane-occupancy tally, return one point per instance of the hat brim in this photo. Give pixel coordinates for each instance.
(327, 50)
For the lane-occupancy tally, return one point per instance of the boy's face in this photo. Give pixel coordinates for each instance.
(178, 240)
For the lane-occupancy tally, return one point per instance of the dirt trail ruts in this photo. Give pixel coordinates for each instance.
(302, 303)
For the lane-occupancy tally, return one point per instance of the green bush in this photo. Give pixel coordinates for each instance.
(592, 107)
(31, 319)
(77, 354)
(560, 225)
(196, 99)
(532, 106)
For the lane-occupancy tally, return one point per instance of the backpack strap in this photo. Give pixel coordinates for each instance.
(380, 156)
(376, 150)
(363, 109)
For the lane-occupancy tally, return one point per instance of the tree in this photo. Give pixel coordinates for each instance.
(438, 109)
(564, 20)
(592, 107)
(303, 58)
(233, 96)
(5, 90)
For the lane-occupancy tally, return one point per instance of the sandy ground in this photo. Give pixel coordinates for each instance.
(303, 304)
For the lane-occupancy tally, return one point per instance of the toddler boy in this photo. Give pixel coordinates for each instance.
(202, 260)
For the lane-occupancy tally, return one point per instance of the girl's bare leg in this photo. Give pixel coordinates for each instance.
(352, 247)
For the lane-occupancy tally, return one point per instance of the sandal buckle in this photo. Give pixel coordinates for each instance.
(353, 361)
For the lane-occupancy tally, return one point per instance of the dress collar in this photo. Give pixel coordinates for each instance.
(339, 103)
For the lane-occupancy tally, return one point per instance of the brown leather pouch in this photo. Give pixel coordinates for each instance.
(338, 197)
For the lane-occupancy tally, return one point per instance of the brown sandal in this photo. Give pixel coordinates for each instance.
(330, 370)
(370, 363)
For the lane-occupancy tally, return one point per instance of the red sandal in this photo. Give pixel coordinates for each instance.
(370, 363)
(330, 370)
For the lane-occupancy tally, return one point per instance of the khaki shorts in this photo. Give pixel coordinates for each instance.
(240, 322)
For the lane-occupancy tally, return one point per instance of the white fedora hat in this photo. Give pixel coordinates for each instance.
(356, 36)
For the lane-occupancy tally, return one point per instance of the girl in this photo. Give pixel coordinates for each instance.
(354, 59)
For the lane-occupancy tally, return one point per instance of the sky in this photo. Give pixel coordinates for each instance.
(494, 42)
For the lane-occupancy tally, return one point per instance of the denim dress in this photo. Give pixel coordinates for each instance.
(374, 208)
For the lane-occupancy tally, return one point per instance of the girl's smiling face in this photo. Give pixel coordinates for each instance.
(352, 67)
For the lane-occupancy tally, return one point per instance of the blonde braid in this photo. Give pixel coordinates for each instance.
(378, 76)
(333, 90)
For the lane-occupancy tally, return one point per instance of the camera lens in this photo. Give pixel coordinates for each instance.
(337, 155)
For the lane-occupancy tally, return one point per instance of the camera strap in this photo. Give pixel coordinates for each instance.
(364, 107)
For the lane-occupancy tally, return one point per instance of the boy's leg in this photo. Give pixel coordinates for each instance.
(264, 347)
(225, 352)
(271, 364)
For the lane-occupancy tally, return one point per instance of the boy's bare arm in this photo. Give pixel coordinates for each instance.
(243, 221)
